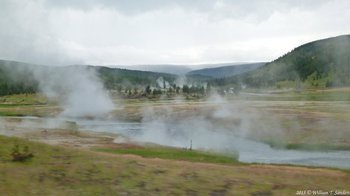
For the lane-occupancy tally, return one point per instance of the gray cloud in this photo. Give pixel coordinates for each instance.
(229, 7)
(26, 34)
(158, 31)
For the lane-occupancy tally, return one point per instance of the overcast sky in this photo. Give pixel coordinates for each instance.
(127, 32)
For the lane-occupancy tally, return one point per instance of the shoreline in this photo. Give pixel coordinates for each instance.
(90, 140)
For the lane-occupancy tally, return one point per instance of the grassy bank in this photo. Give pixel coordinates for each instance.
(174, 154)
(60, 171)
(308, 146)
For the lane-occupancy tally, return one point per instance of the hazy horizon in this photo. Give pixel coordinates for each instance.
(143, 67)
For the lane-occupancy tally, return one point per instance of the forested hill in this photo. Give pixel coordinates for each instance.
(115, 77)
(226, 71)
(18, 77)
(322, 63)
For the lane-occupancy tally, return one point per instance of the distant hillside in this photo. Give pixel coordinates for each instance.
(15, 77)
(18, 77)
(179, 69)
(114, 77)
(322, 63)
(226, 71)
(170, 69)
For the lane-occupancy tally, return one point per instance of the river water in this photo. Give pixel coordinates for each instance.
(249, 151)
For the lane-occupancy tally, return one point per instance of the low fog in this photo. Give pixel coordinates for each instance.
(78, 89)
(212, 126)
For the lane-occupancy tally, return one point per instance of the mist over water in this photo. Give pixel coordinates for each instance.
(220, 140)
(231, 128)
(220, 126)
(77, 89)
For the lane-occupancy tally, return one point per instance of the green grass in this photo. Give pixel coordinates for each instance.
(7, 105)
(11, 113)
(27, 105)
(306, 95)
(323, 96)
(306, 146)
(174, 154)
(24, 99)
(64, 171)
(317, 147)
(40, 111)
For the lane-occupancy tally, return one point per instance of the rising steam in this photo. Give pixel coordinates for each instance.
(78, 90)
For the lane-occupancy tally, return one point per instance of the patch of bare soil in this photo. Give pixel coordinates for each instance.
(70, 138)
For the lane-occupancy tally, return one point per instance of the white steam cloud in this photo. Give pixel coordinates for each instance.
(162, 83)
(78, 90)
(214, 126)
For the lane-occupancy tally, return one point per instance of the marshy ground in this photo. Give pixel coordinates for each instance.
(71, 161)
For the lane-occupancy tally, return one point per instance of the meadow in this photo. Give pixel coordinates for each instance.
(71, 161)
